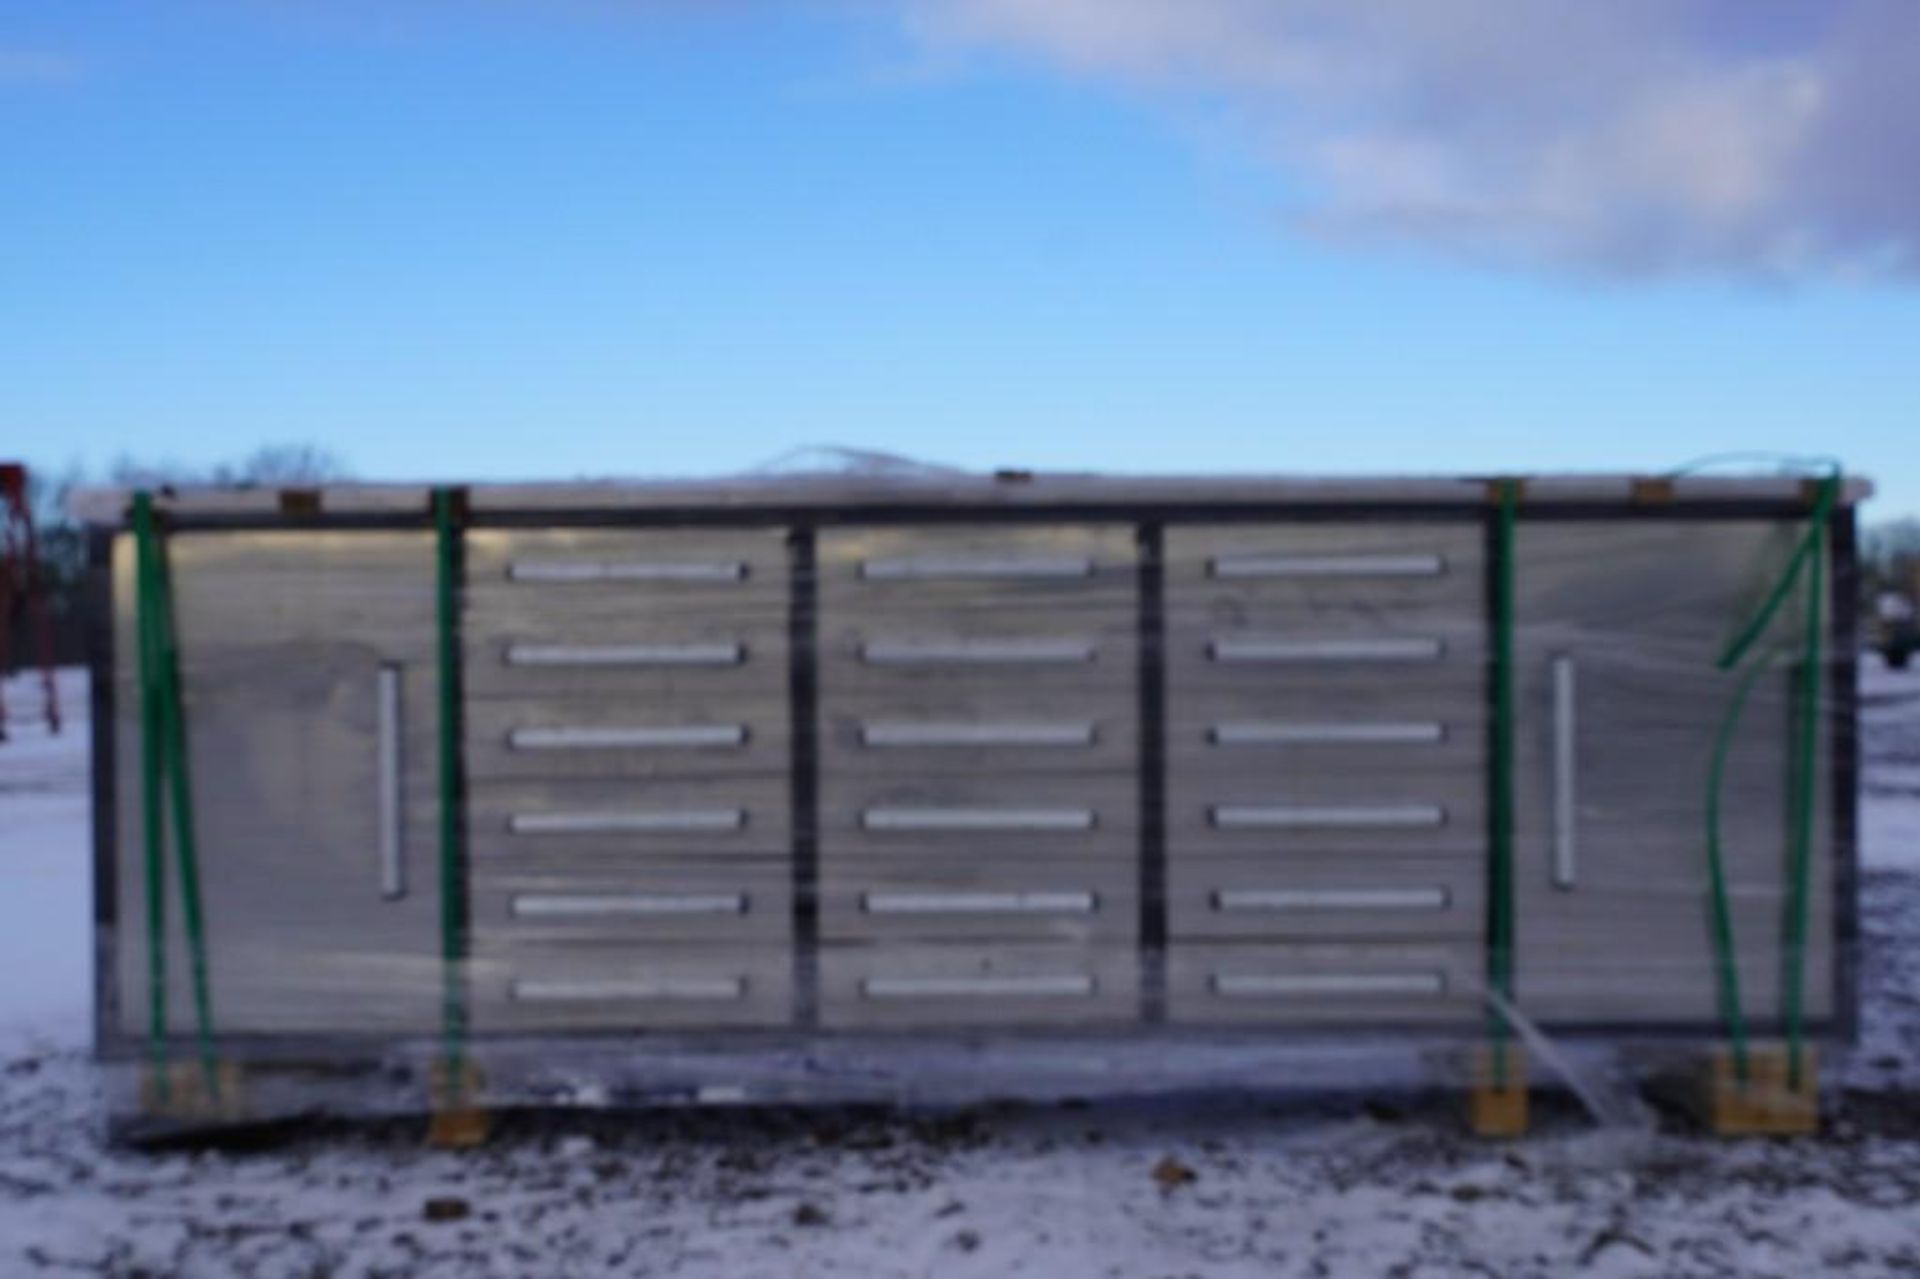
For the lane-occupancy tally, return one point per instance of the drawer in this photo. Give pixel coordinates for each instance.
(908, 570)
(730, 903)
(626, 818)
(1072, 900)
(1351, 896)
(562, 988)
(1360, 570)
(522, 576)
(946, 986)
(683, 657)
(1385, 986)
(1360, 811)
(981, 731)
(733, 732)
(945, 816)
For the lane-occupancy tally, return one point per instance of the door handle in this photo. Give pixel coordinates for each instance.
(1565, 774)
(393, 864)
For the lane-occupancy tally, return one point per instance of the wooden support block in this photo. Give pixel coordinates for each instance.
(1497, 1105)
(1770, 1103)
(456, 1120)
(185, 1090)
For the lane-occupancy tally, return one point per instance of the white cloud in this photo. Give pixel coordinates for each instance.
(1643, 136)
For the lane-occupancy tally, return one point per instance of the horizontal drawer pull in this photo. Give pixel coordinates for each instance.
(617, 989)
(934, 568)
(1057, 986)
(1311, 985)
(1238, 566)
(685, 820)
(1292, 733)
(909, 734)
(1414, 649)
(625, 571)
(1285, 899)
(625, 905)
(1327, 817)
(688, 736)
(626, 654)
(978, 903)
(978, 819)
(1040, 652)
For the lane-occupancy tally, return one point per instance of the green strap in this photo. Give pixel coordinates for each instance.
(446, 592)
(152, 793)
(164, 738)
(1808, 558)
(1500, 814)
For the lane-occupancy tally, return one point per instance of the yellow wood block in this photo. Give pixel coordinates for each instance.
(1497, 1106)
(456, 1122)
(1770, 1102)
(187, 1090)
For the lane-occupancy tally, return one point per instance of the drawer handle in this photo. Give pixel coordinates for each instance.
(1412, 649)
(1040, 652)
(624, 571)
(977, 819)
(1327, 817)
(938, 568)
(393, 861)
(636, 990)
(979, 903)
(1565, 851)
(1242, 566)
(1260, 900)
(1060, 986)
(626, 654)
(1289, 733)
(672, 737)
(690, 821)
(625, 905)
(930, 734)
(1315, 985)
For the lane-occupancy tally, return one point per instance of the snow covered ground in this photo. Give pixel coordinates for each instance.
(1174, 1188)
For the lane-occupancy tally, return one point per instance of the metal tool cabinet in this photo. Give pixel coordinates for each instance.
(745, 767)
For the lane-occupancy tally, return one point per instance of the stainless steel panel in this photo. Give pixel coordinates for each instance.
(290, 644)
(1644, 608)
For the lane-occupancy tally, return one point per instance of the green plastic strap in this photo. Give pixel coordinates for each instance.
(1806, 763)
(453, 1009)
(1809, 558)
(1500, 814)
(152, 794)
(166, 772)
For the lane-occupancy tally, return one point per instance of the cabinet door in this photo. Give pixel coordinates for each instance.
(308, 678)
(1618, 703)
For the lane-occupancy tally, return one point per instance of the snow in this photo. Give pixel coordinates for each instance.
(1245, 1187)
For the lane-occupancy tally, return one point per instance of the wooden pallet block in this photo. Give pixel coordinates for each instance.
(456, 1121)
(1768, 1103)
(187, 1091)
(1497, 1102)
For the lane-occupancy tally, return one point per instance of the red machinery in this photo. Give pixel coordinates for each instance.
(20, 581)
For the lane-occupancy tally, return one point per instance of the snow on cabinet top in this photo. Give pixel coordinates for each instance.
(932, 487)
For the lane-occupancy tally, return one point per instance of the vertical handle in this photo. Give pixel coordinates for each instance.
(1565, 848)
(393, 865)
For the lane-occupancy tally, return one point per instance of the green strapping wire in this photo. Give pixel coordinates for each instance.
(446, 603)
(152, 798)
(1808, 556)
(1500, 818)
(165, 774)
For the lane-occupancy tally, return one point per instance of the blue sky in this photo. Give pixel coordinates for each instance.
(511, 240)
